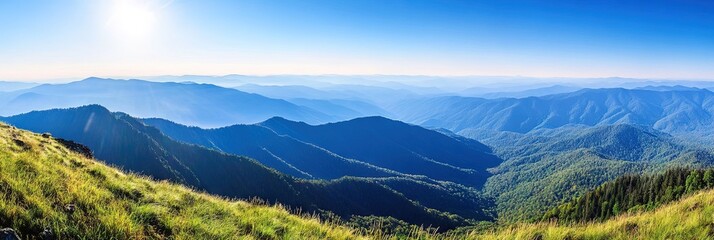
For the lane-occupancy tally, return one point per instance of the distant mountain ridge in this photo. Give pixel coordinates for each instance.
(533, 92)
(669, 111)
(6, 86)
(189, 103)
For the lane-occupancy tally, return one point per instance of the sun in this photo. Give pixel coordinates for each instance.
(132, 19)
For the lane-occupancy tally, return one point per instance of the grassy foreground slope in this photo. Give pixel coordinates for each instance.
(41, 181)
(690, 218)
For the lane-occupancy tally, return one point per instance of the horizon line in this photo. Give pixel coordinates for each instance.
(148, 77)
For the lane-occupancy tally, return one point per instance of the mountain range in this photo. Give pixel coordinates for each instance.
(188, 103)
(670, 111)
(368, 147)
(123, 141)
(6, 86)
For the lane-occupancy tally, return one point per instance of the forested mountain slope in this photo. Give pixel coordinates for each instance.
(632, 193)
(282, 153)
(542, 169)
(397, 146)
(369, 147)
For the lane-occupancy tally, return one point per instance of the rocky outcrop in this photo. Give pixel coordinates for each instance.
(8, 234)
(76, 147)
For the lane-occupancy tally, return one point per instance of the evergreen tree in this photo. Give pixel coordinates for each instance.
(632, 193)
(708, 178)
(693, 182)
(616, 209)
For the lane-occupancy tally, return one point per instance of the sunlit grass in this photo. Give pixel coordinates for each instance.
(690, 218)
(39, 179)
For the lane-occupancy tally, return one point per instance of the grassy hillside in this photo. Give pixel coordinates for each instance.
(690, 218)
(41, 179)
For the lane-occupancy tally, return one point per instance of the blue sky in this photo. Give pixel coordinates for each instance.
(45, 39)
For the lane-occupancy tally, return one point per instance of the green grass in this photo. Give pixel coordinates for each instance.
(39, 178)
(690, 218)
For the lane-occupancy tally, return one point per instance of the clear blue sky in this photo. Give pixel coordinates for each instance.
(44, 39)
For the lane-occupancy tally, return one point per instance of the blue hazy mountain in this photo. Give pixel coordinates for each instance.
(342, 101)
(123, 141)
(397, 146)
(365, 147)
(188, 103)
(534, 92)
(270, 83)
(668, 88)
(669, 111)
(289, 91)
(372, 94)
(283, 153)
(342, 109)
(6, 86)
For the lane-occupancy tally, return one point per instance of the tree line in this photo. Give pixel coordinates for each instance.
(631, 193)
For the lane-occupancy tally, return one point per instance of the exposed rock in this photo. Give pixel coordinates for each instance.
(47, 234)
(22, 144)
(76, 147)
(70, 208)
(8, 234)
(632, 228)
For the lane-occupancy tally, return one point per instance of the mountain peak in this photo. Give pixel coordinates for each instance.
(92, 79)
(374, 119)
(96, 79)
(279, 120)
(91, 107)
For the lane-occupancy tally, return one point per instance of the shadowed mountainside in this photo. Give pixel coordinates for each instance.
(397, 146)
(369, 147)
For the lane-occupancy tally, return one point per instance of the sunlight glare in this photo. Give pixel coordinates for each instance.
(132, 19)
